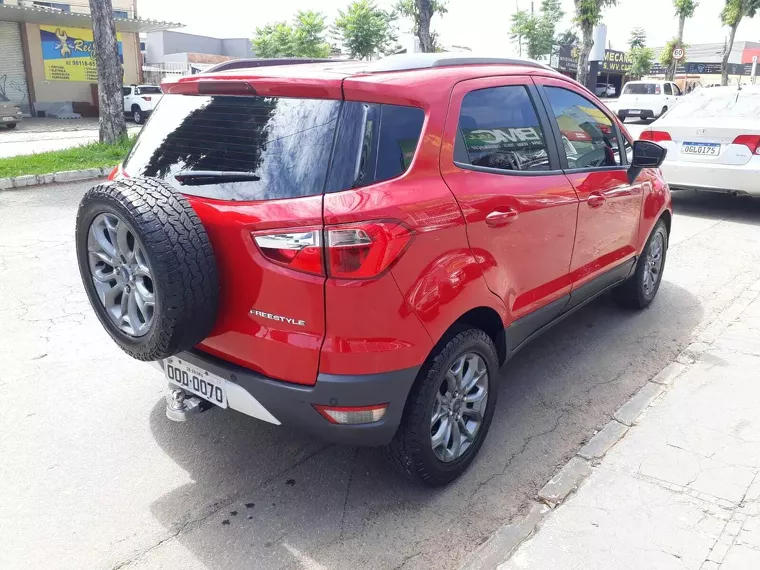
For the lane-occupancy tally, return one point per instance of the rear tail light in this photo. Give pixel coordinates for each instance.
(657, 90)
(351, 251)
(298, 250)
(352, 415)
(655, 136)
(752, 142)
(147, 98)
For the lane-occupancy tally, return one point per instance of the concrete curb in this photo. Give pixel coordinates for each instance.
(505, 540)
(56, 177)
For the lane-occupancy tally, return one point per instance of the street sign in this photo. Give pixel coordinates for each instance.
(679, 53)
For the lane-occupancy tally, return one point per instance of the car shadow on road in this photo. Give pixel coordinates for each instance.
(268, 497)
(714, 205)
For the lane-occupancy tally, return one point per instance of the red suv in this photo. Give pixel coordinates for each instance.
(356, 248)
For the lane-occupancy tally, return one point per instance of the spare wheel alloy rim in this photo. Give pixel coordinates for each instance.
(459, 407)
(121, 274)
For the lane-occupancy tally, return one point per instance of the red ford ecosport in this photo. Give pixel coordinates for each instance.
(355, 248)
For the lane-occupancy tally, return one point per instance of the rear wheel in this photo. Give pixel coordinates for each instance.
(449, 410)
(137, 115)
(11, 125)
(664, 110)
(640, 289)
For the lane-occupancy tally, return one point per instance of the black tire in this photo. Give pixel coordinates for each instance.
(664, 110)
(12, 125)
(178, 252)
(138, 116)
(632, 294)
(411, 449)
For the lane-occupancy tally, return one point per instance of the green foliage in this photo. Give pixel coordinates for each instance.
(666, 57)
(638, 38)
(589, 12)
(536, 31)
(364, 29)
(734, 10)
(642, 59)
(685, 8)
(93, 155)
(304, 38)
(568, 37)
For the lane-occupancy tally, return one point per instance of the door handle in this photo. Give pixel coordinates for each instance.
(596, 199)
(499, 218)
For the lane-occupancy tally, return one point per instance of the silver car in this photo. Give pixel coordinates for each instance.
(10, 114)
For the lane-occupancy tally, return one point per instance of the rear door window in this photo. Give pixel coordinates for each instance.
(668, 89)
(148, 90)
(282, 144)
(499, 128)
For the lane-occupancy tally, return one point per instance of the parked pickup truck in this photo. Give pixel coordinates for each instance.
(647, 99)
(140, 100)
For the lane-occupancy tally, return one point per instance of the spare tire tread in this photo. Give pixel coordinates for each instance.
(182, 261)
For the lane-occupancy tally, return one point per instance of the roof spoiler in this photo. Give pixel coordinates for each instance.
(264, 62)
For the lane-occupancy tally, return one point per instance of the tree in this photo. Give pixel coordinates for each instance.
(588, 13)
(536, 30)
(731, 16)
(568, 37)
(638, 38)
(364, 29)
(304, 38)
(684, 9)
(110, 72)
(421, 12)
(640, 55)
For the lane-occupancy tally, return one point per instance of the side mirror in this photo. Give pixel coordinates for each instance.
(646, 154)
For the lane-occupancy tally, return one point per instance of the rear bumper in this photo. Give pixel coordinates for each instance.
(712, 177)
(291, 405)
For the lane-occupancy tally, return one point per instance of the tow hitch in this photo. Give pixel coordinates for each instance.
(180, 405)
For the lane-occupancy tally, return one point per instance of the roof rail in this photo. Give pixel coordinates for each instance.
(404, 62)
(263, 62)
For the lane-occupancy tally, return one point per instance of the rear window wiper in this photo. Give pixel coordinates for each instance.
(202, 177)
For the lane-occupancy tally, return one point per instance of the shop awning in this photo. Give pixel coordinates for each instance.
(51, 16)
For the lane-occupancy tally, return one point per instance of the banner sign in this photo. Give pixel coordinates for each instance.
(505, 139)
(68, 54)
(615, 62)
(692, 68)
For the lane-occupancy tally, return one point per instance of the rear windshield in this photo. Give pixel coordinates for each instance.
(721, 103)
(149, 90)
(283, 143)
(642, 89)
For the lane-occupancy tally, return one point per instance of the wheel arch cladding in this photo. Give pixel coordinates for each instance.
(486, 319)
(667, 217)
(179, 252)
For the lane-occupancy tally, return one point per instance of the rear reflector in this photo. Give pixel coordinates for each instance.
(752, 142)
(351, 251)
(655, 136)
(352, 415)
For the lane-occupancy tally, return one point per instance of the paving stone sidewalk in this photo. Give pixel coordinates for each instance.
(681, 490)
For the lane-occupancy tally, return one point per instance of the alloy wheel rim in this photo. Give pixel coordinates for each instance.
(121, 274)
(459, 407)
(653, 264)
(136, 116)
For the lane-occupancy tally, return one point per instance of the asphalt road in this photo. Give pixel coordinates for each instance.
(93, 475)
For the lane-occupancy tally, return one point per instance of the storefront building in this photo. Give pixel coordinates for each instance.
(613, 70)
(47, 60)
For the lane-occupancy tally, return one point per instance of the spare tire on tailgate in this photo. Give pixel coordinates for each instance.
(147, 266)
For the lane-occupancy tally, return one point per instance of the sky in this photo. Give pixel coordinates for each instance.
(482, 25)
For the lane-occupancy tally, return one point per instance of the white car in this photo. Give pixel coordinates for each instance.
(605, 90)
(140, 100)
(647, 99)
(713, 141)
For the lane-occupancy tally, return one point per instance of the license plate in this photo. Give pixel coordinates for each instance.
(9, 118)
(634, 112)
(706, 149)
(196, 380)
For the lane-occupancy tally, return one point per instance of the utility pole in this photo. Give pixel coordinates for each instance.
(110, 72)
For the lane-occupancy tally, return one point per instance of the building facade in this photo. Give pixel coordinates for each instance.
(47, 61)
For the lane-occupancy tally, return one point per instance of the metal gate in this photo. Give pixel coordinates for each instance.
(13, 86)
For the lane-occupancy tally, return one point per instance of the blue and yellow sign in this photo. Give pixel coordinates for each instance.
(68, 54)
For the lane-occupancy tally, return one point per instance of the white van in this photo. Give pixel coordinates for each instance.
(647, 99)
